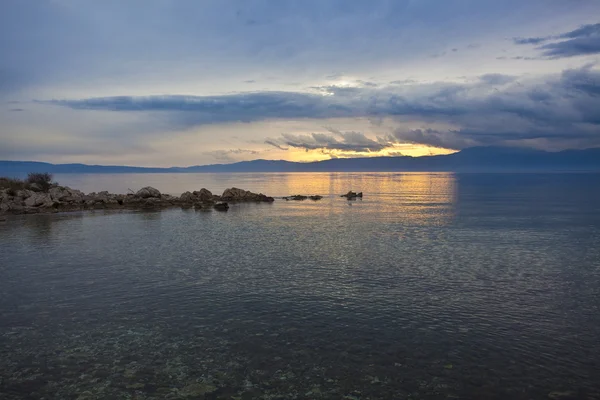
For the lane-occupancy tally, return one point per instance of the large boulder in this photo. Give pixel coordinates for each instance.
(39, 199)
(204, 195)
(60, 193)
(187, 197)
(148, 192)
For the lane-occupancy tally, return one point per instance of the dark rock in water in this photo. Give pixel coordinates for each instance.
(315, 197)
(187, 197)
(148, 192)
(297, 197)
(204, 195)
(221, 206)
(235, 194)
(62, 199)
(352, 195)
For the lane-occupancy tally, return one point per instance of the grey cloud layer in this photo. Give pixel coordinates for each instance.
(75, 42)
(582, 41)
(493, 109)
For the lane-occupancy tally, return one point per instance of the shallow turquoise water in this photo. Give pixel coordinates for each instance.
(433, 286)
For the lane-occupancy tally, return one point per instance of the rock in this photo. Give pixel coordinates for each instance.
(204, 195)
(315, 198)
(297, 197)
(187, 197)
(197, 390)
(235, 194)
(38, 199)
(152, 202)
(36, 187)
(58, 193)
(221, 206)
(352, 195)
(148, 192)
(24, 193)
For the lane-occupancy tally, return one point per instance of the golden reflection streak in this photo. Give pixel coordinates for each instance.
(409, 198)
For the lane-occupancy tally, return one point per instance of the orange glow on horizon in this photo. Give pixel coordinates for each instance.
(412, 150)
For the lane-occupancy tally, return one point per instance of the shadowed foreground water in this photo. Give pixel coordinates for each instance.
(434, 286)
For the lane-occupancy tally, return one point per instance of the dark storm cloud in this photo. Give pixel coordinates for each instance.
(345, 141)
(581, 41)
(550, 107)
(571, 48)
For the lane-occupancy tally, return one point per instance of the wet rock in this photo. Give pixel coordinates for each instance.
(352, 195)
(187, 197)
(315, 198)
(148, 192)
(296, 197)
(235, 194)
(221, 206)
(204, 195)
(152, 202)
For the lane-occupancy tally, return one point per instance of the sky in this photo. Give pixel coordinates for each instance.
(193, 82)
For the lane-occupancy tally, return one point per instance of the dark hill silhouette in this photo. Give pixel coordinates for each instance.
(472, 159)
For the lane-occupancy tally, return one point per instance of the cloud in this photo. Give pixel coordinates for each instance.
(229, 155)
(275, 144)
(572, 48)
(534, 40)
(348, 141)
(584, 40)
(497, 79)
(495, 103)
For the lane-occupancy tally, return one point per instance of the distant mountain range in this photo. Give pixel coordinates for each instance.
(472, 159)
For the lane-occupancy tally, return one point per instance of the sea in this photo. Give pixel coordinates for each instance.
(432, 286)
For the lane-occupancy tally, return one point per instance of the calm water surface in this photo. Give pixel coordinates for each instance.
(434, 286)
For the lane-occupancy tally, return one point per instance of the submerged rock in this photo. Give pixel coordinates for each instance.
(221, 206)
(197, 390)
(296, 197)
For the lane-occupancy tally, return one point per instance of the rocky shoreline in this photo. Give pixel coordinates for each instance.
(62, 199)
